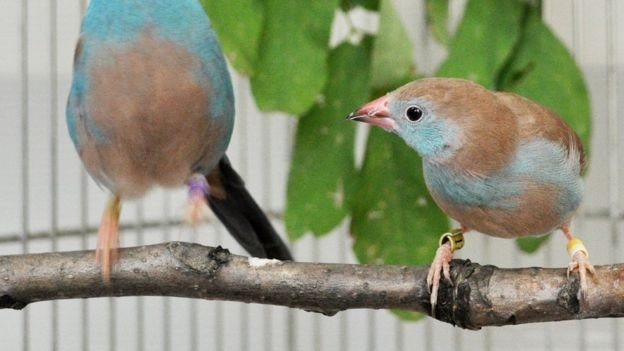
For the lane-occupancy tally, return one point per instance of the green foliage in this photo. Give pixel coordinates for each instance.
(347, 5)
(392, 55)
(480, 47)
(394, 218)
(408, 315)
(284, 48)
(437, 19)
(323, 166)
(530, 244)
(292, 63)
(239, 38)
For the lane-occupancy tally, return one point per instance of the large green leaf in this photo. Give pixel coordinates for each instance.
(392, 54)
(483, 41)
(323, 168)
(437, 19)
(292, 66)
(394, 218)
(543, 70)
(530, 244)
(238, 25)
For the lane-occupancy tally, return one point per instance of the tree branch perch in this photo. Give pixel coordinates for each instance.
(481, 296)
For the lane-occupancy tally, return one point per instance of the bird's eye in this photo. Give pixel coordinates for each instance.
(413, 113)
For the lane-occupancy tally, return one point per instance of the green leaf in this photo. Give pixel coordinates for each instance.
(238, 25)
(347, 5)
(392, 54)
(292, 66)
(543, 70)
(437, 19)
(394, 219)
(323, 168)
(483, 41)
(530, 244)
(408, 315)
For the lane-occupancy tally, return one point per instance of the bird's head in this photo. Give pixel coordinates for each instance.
(435, 116)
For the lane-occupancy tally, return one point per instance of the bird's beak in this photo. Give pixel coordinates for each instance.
(376, 113)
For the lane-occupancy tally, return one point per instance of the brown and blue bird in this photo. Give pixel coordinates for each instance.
(496, 162)
(151, 104)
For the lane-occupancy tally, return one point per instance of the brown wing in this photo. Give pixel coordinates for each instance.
(537, 120)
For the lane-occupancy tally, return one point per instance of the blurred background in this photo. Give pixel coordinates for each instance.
(50, 204)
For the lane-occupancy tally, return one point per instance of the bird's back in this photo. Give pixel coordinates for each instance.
(536, 121)
(151, 100)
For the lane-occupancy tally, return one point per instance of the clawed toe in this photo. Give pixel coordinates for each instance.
(580, 262)
(439, 267)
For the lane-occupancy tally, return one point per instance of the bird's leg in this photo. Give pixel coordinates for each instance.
(579, 259)
(449, 243)
(108, 237)
(196, 205)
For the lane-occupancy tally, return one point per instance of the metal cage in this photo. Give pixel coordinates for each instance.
(48, 203)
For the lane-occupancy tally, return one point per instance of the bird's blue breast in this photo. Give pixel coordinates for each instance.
(535, 163)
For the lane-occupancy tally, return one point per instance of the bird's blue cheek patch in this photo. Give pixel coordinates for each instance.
(431, 138)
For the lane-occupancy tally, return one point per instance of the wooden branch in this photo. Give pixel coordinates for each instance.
(481, 296)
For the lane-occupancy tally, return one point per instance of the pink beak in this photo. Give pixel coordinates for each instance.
(376, 113)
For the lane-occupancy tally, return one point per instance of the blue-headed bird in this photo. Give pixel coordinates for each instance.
(151, 104)
(496, 162)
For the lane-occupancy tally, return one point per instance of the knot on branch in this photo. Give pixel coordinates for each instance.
(457, 301)
(194, 257)
(7, 301)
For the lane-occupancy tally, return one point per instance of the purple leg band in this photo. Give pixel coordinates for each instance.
(198, 185)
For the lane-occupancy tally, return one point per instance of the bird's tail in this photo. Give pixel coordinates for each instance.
(241, 215)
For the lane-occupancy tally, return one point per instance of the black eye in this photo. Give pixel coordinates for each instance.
(413, 113)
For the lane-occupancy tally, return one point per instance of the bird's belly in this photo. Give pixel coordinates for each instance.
(536, 212)
(537, 192)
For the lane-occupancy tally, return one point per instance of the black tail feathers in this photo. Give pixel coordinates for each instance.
(243, 218)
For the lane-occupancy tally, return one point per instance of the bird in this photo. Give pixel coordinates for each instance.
(496, 162)
(151, 104)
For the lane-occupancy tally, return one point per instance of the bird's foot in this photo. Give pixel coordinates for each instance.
(449, 242)
(580, 262)
(196, 204)
(108, 237)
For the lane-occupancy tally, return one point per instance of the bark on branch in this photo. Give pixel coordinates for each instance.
(481, 296)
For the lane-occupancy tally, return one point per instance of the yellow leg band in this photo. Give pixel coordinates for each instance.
(455, 237)
(576, 245)
(113, 207)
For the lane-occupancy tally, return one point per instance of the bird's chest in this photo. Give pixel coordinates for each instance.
(463, 189)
